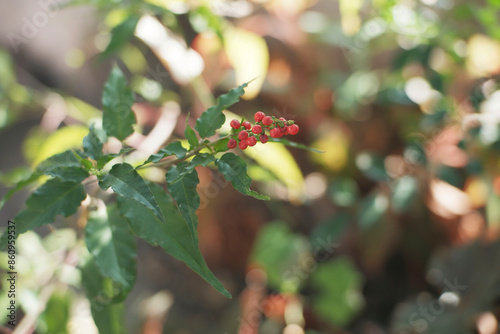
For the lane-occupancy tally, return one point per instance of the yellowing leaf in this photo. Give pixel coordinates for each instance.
(277, 159)
(248, 54)
(335, 148)
(37, 148)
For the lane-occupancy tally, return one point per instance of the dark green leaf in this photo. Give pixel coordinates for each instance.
(172, 148)
(126, 182)
(372, 166)
(86, 163)
(54, 198)
(326, 236)
(120, 35)
(278, 251)
(339, 282)
(403, 194)
(173, 235)
(371, 209)
(213, 118)
(117, 100)
(108, 157)
(112, 243)
(92, 144)
(344, 192)
(65, 166)
(293, 144)
(187, 198)
(221, 145)
(185, 168)
(108, 316)
(234, 169)
(20, 185)
(190, 134)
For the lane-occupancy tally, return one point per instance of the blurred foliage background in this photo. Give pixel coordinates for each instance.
(393, 229)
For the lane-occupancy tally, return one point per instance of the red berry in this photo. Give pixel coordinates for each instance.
(293, 129)
(267, 120)
(235, 124)
(259, 115)
(247, 125)
(243, 144)
(276, 133)
(282, 119)
(251, 141)
(232, 143)
(284, 130)
(257, 129)
(243, 135)
(263, 139)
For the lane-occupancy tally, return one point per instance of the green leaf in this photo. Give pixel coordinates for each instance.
(86, 163)
(126, 182)
(120, 35)
(278, 251)
(187, 198)
(66, 166)
(92, 144)
(53, 198)
(339, 282)
(190, 134)
(185, 168)
(371, 210)
(117, 100)
(112, 243)
(213, 118)
(294, 144)
(173, 235)
(404, 193)
(108, 157)
(234, 169)
(108, 316)
(221, 145)
(57, 313)
(175, 148)
(20, 185)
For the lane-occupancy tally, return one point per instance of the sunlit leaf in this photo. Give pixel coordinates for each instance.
(112, 244)
(248, 54)
(57, 313)
(287, 171)
(108, 316)
(39, 147)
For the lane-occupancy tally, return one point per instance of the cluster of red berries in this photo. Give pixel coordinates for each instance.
(248, 135)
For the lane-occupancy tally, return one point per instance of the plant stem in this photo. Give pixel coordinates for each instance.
(200, 146)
